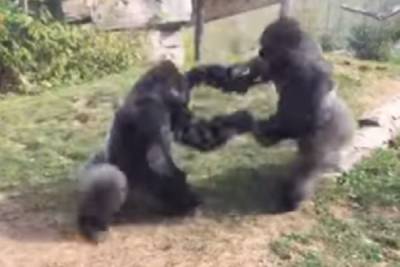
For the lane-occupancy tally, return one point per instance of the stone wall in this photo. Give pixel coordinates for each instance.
(127, 14)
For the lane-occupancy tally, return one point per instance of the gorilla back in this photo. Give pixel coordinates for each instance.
(140, 137)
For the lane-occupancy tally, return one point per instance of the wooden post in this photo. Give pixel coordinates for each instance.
(25, 6)
(198, 28)
(286, 8)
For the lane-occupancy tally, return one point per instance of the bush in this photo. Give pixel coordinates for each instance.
(329, 42)
(42, 53)
(371, 42)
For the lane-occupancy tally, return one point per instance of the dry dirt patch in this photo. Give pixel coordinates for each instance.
(35, 238)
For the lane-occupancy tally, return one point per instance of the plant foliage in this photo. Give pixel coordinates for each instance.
(372, 42)
(329, 42)
(39, 52)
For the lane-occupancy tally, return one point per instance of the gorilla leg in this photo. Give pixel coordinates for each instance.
(325, 146)
(319, 152)
(170, 186)
(270, 131)
(103, 189)
(304, 169)
(292, 188)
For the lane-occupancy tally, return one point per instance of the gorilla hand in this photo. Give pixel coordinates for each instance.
(209, 135)
(267, 132)
(238, 122)
(235, 78)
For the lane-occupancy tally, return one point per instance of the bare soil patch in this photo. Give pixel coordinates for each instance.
(30, 238)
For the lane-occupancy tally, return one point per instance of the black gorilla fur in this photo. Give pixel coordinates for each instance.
(102, 192)
(137, 152)
(308, 111)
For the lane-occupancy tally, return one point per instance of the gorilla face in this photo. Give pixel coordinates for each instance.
(284, 34)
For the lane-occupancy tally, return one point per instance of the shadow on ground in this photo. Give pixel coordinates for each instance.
(244, 191)
(38, 213)
(45, 212)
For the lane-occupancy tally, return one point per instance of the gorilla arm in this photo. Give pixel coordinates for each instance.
(209, 135)
(235, 78)
(171, 187)
(269, 131)
(159, 157)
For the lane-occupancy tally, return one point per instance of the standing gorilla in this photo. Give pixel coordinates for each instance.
(137, 153)
(309, 110)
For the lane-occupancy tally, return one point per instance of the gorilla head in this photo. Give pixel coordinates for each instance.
(284, 33)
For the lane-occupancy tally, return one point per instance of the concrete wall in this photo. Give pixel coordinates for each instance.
(127, 14)
(131, 14)
(233, 38)
(217, 9)
(236, 37)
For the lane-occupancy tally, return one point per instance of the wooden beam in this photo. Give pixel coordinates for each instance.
(286, 8)
(198, 28)
(217, 9)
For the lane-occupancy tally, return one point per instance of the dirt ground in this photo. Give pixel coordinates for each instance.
(30, 238)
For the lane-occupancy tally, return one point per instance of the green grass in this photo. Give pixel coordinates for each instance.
(367, 230)
(44, 138)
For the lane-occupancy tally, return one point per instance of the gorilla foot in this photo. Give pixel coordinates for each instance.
(290, 203)
(185, 205)
(92, 230)
(292, 195)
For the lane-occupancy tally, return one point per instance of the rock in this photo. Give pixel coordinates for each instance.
(386, 120)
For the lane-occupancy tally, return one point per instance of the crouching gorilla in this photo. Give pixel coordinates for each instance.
(137, 153)
(309, 111)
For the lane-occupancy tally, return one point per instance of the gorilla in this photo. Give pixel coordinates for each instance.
(137, 154)
(308, 111)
